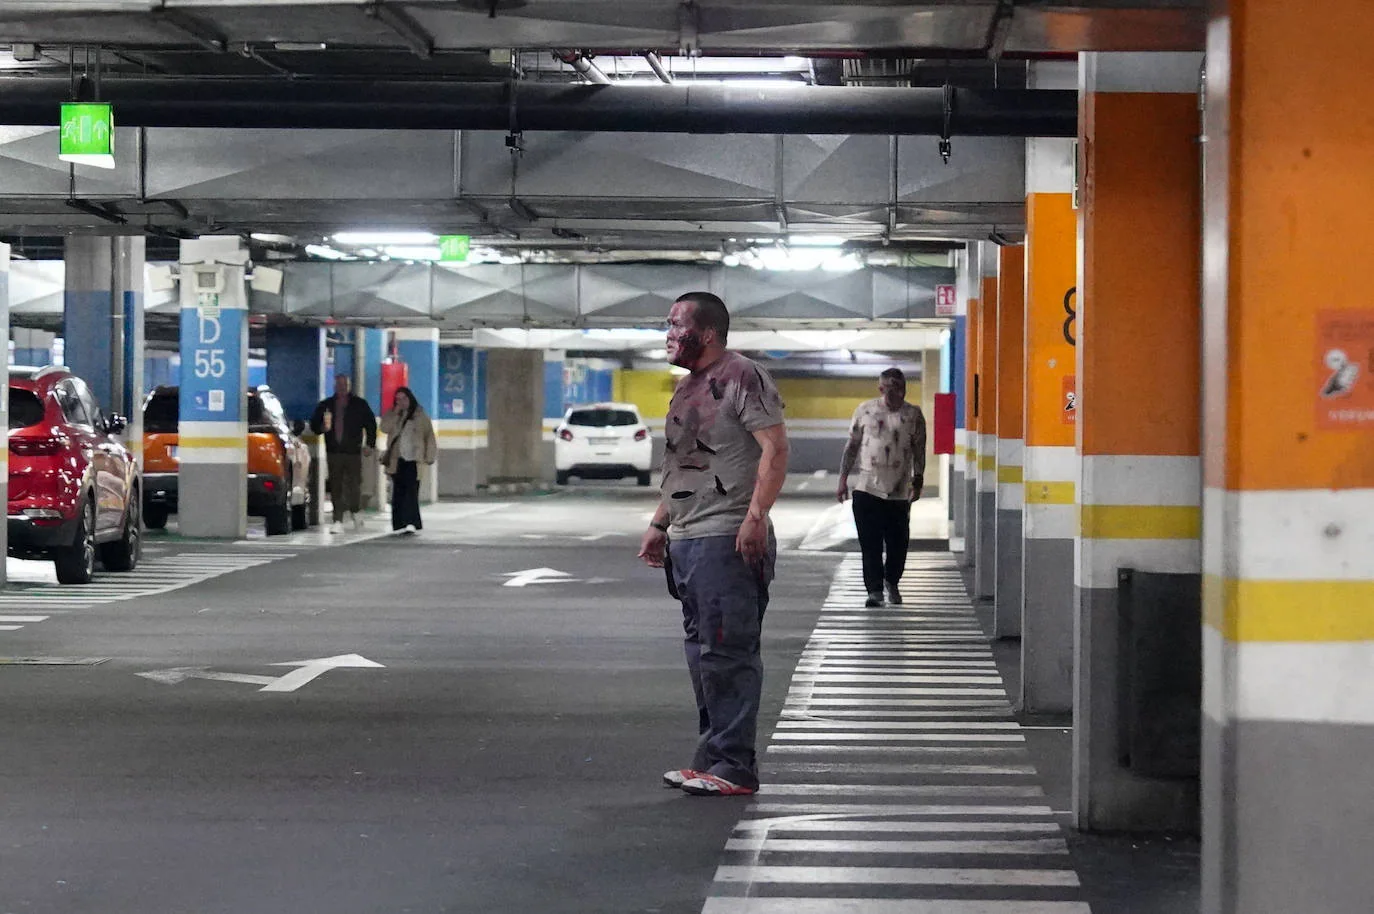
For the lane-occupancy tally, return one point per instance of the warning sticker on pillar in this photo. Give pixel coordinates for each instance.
(212, 381)
(1344, 374)
(1069, 414)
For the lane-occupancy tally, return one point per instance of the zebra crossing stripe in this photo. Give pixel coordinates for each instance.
(150, 578)
(896, 759)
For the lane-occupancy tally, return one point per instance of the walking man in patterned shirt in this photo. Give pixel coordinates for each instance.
(887, 444)
(724, 464)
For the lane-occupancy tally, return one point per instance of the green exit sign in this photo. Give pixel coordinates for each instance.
(454, 247)
(87, 136)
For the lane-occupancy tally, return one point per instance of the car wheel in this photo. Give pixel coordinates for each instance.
(562, 477)
(124, 554)
(155, 517)
(278, 520)
(646, 479)
(76, 563)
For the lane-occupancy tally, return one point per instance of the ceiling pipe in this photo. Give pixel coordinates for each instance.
(583, 64)
(656, 65)
(506, 106)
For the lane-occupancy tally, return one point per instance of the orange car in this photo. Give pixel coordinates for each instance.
(278, 462)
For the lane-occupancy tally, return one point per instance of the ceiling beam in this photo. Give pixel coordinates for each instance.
(420, 42)
(201, 33)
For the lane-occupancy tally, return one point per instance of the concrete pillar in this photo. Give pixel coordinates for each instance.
(957, 366)
(298, 373)
(554, 396)
(1138, 413)
(129, 287)
(369, 349)
(103, 317)
(1288, 365)
(419, 349)
(212, 446)
(1011, 403)
(461, 425)
(985, 562)
(972, 422)
(1051, 468)
(515, 404)
(297, 369)
(930, 386)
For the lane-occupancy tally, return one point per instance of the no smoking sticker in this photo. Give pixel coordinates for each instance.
(1345, 369)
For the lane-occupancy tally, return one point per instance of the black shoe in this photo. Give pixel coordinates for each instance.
(875, 598)
(894, 596)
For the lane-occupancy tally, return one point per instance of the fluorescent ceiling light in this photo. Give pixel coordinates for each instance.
(325, 251)
(300, 45)
(385, 238)
(730, 260)
(413, 252)
(816, 241)
(271, 238)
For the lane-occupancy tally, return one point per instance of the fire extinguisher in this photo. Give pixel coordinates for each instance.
(395, 374)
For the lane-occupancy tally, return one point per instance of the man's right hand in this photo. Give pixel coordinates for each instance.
(653, 547)
(842, 491)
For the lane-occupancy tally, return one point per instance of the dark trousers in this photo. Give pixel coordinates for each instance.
(884, 524)
(345, 483)
(405, 495)
(723, 601)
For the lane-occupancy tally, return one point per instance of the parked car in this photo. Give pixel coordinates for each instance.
(603, 441)
(73, 487)
(278, 461)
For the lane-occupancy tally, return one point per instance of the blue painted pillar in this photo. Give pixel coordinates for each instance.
(103, 317)
(368, 352)
(419, 349)
(296, 369)
(213, 430)
(87, 311)
(460, 420)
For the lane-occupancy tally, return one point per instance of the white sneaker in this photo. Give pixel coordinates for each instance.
(357, 522)
(410, 530)
(336, 527)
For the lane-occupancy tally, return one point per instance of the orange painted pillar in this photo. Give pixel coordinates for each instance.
(1138, 422)
(1051, 459)
(985, 559)
(1011, 405)
(1288, 357)
(971, 287)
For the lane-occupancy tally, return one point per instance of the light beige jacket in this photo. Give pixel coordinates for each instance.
(391, 427)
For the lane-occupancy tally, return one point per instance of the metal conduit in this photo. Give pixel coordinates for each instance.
(679, 108)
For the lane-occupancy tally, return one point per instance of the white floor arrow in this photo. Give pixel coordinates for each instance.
(537, 576)
(290, 682)
(309, 669)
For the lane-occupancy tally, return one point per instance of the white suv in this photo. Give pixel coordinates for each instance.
(603, 441)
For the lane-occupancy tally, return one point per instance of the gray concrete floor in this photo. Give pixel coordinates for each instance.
(504, 756)
(1121, 874)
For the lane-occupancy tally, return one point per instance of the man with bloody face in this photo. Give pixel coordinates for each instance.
(724, 464)
(887, 445)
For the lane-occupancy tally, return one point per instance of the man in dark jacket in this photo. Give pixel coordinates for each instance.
(350, 435)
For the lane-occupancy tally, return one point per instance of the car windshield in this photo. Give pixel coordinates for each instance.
(162, 413)
(602, 418)
(25, 408)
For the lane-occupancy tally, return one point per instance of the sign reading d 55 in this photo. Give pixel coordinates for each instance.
(212, 381)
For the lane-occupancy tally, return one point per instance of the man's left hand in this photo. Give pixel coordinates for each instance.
(752, 542)
(918, 485)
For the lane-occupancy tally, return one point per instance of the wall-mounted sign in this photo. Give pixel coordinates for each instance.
(87, 134)
(1345, 369)
(946, 301)
(454, 247)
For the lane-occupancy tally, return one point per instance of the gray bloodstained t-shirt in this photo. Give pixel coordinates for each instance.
(711, 459)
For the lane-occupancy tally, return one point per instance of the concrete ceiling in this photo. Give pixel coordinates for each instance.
(671, 193)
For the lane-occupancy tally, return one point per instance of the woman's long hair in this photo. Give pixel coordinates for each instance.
(410, 395)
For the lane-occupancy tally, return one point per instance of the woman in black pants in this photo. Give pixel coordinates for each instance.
(410, 442)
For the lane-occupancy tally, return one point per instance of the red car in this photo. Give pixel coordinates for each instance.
(73, 487)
